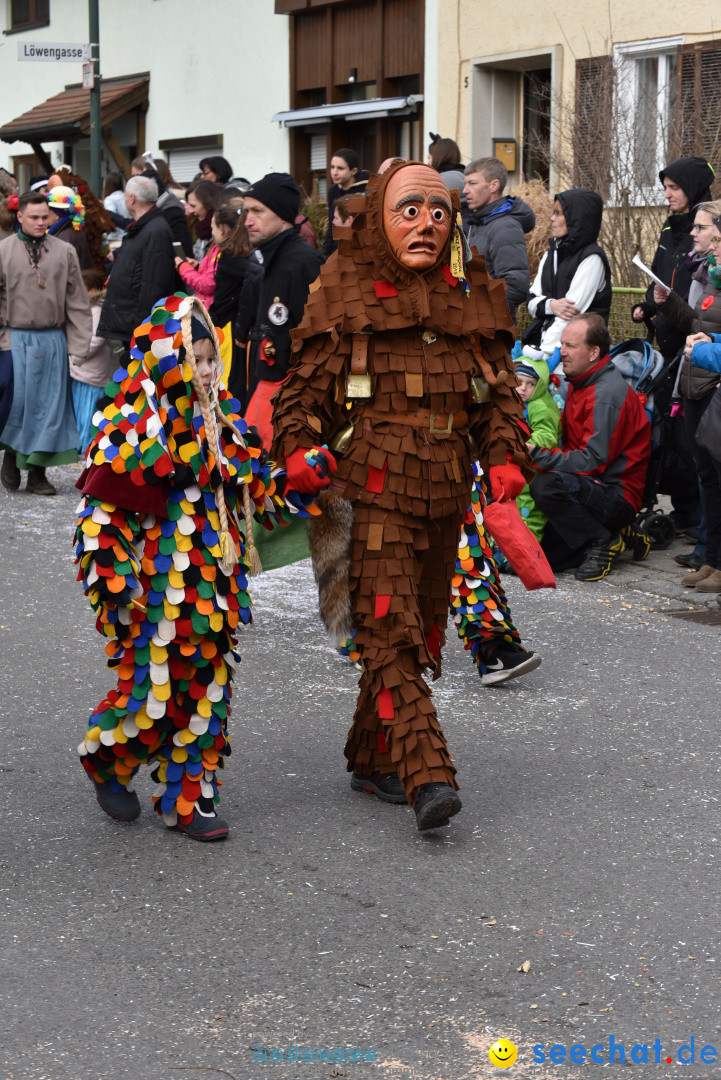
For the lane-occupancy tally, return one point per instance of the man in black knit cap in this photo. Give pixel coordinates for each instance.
(290, 265)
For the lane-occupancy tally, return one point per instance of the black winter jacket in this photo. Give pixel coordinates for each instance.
(289, 267)
(496, 232)
(143, 272)
(694, 176)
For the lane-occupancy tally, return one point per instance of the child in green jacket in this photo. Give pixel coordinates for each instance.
(544, 420)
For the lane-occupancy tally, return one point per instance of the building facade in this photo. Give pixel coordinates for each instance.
(179, 78)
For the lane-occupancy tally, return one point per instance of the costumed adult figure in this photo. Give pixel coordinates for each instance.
(402, 333)
(45, 315)
(164, 562)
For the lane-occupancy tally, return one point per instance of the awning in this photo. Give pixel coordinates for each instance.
(66, 116)
(373, 109)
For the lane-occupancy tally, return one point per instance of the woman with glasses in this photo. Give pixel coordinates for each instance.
(701, 315)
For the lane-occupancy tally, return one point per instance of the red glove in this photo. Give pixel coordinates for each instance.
(507, 482)
(307, 470)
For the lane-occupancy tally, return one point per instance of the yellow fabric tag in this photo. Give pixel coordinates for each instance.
(414, 384)
(456, 255)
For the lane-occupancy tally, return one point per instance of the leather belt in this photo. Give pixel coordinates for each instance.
(437, 423)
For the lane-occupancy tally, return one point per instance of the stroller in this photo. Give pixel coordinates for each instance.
(671, 468)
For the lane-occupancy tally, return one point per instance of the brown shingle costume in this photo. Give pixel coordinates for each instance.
(407, 468)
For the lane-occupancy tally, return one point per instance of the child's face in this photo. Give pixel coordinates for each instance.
(219, 232)
(526, 386)
(204, 357)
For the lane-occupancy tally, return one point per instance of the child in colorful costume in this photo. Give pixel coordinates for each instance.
(164, 563)
(404, 339)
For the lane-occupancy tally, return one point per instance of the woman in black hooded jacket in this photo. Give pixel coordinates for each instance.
(573, 276)
(686, 182)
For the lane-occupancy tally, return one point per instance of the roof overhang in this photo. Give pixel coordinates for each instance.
(65, 117)
(373, 109)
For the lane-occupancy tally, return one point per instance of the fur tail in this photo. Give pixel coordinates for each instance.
(329, 536)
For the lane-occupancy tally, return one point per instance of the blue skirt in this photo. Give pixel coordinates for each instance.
(41, 426)
(85, 400)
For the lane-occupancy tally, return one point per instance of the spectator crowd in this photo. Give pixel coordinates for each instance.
(79, 274)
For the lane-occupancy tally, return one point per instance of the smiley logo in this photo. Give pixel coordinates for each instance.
(503, 1053)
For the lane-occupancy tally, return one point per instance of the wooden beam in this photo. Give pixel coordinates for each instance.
(42, 157)
(120, 159)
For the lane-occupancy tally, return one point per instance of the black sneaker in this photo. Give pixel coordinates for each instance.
(435, 805)
(388, 787)
(204, 828)
(639, 542)
(692, 560)
(599, 559)
(120, 805)
(503, 664)
(10, 474)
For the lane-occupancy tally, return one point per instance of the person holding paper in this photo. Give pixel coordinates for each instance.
(686, 182)
(696, 386)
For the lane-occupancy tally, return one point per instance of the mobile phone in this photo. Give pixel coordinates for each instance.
(179, 250)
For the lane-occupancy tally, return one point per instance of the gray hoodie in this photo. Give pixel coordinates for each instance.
(497, 231)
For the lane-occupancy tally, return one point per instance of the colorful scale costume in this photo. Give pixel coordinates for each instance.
(164, 562)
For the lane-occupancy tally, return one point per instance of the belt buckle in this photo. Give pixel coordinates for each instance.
(441, 431)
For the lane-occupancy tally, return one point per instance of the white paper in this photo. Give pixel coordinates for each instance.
(642, 266)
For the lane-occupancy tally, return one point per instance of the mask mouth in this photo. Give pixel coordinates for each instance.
(427, 247)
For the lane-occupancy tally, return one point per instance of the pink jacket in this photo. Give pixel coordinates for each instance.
(202, 280)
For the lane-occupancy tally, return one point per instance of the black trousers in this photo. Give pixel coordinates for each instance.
(580, 512)
(709, 474)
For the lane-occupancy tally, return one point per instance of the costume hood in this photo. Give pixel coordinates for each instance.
(542, 372)
(583, 211)
(154, 422)
(693, 175)
(363, 286)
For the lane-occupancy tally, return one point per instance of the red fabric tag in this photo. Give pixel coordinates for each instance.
(383, 603)
(385, 704)
(708, 301)
(381, 741)
(448, 276)
(376, 478)
(384, 288)
(433, 641)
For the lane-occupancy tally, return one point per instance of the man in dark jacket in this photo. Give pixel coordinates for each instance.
(173, 212)
(143, 269)
(592, 487)
(496, 226)
(289, 267)
(685, 182)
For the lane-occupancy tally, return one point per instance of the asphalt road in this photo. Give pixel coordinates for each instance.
(587, 846)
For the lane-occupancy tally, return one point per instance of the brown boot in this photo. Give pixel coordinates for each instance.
(10, 474)
(697, 575)
(710, 584)
(38, 482)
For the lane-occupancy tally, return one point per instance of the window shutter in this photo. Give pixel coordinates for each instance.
(698, 120)
(593, 124)
(318, 153)
(183, 163)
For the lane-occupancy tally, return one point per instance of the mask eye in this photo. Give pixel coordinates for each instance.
(438, 214)
(410, 212)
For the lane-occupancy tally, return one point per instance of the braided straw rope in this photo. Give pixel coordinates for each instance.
(211, 416)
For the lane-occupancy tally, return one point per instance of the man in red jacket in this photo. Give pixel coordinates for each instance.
(592, 487)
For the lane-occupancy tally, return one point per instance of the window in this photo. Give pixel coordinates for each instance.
(27, 13)
(698, 122)
(646, 106)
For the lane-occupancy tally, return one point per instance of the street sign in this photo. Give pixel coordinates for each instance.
(88, 75)
(68, 52)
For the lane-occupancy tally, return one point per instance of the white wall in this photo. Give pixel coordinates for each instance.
(216, 67)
